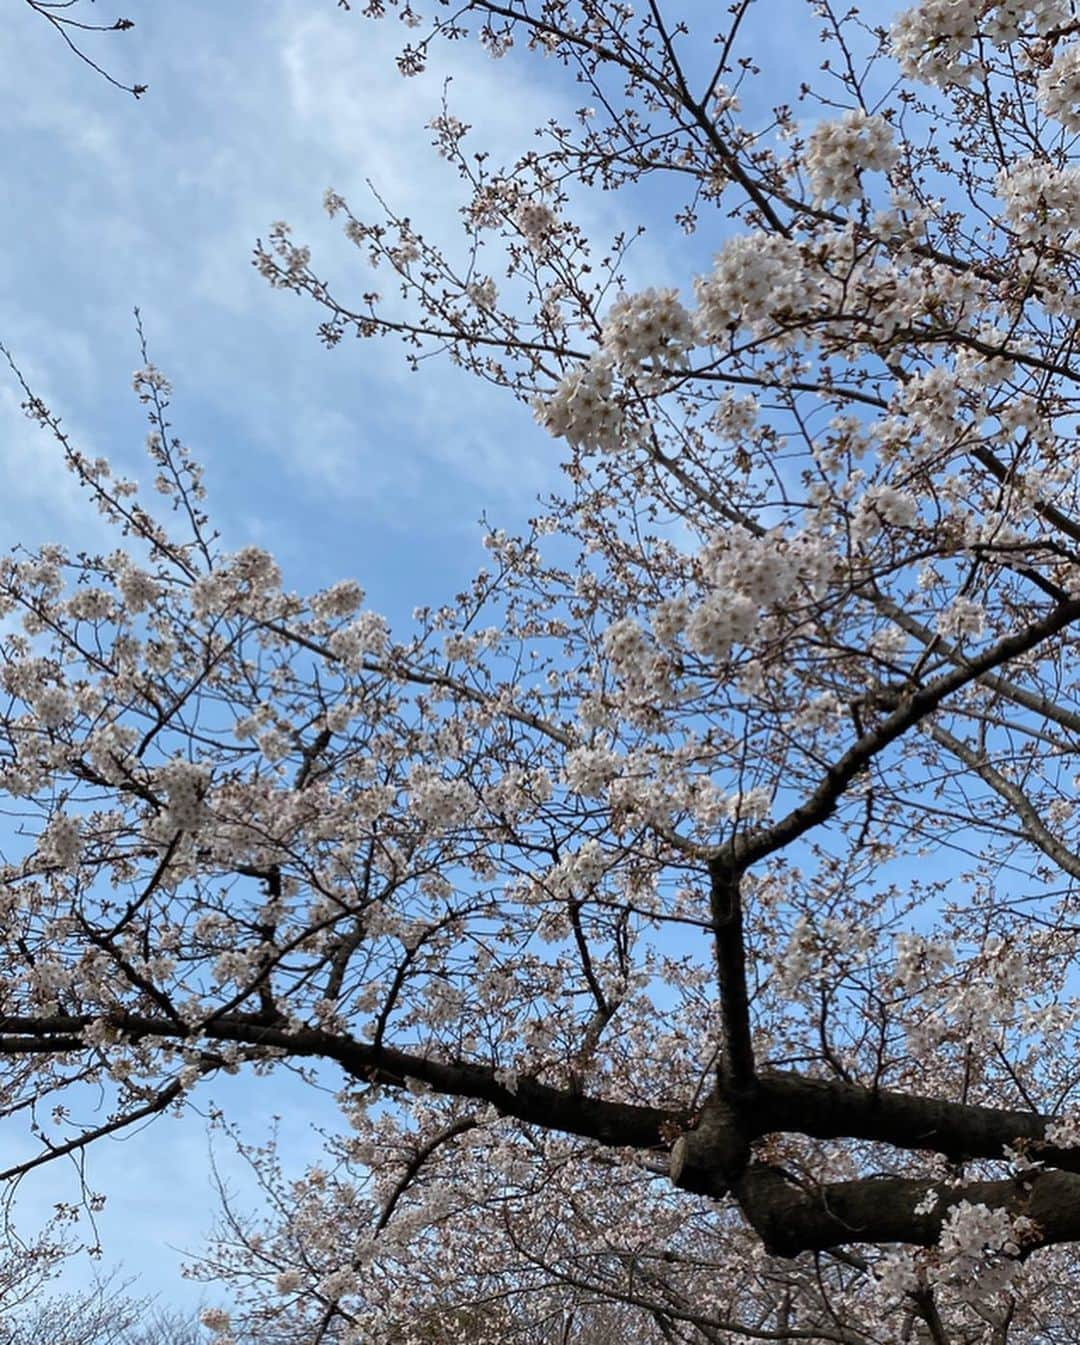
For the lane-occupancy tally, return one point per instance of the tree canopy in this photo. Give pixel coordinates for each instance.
(688, 905)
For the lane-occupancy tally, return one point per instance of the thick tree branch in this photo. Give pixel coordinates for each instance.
(791, 1219)
(737, 1064)
(831, 1109)
(621, 1124)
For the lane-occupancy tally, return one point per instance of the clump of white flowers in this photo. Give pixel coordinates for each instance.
(254, 567)
(438, 802)
(933, 40)
(897, 1274)
(62, 842)
(930, 40)
(52, 707)
(963, 617)
(90, 604)
(150, 380)
(483, 294)
(582, 410)
(1041, 202)
(1064, 1131)
(750, 805)
(920, 961)
(139, 589)
(237, 584)
(367, 635)
(840, 151)
(744, 573)
(587, 770)
(583, 869)
(980, 1246)
(927, 1202)
(1005, 20)
(340, 599)
(288, 1281)
(881, 506)
(185, 784)
(338, 1283)
(721, 621)
(537, 222)
(1059, 88)
(652, 326)
(216, 1319)
(630, 652)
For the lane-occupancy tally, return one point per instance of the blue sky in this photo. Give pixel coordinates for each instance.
(342, 462)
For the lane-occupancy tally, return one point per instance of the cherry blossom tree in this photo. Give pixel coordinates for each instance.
(35, 1311)
(686, 909)
(101, 1315)
(28, 1266)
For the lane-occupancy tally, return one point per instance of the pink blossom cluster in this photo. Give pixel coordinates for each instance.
(934, 39)
(840, 151)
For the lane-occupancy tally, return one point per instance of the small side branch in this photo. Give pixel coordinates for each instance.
(423, 1153)
(65, 25)
(160, 1102)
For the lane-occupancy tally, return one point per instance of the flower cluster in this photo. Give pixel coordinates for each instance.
(897, 1275)
(883, 505)
(980, 1246)
(930, 40)
(962, 618)
(439, 803)
(365, 636)
(1064, 1131)
(648, 327)
(62, 842)
(237, 584)
(748, 573)
(340, 599)
(583, 410)
(52, 707)
(185, 784)
(139, 589)
(724, 619)
(537, 222)
(1059, 87)
(634, 660)
(579, 871)
(1041, 201)
(149, 382)
(749, 805)
(755, 277)
(483, 294)
(1005, 20)
(588, 770)
(840, 151)
(218, 1321)
(920, 960)
(934, 39)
